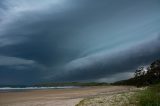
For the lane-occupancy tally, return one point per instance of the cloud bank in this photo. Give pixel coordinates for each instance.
(72, 40)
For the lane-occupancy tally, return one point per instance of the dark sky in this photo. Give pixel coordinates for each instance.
(76, 40)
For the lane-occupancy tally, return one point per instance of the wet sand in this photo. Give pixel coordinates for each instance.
(57, 97)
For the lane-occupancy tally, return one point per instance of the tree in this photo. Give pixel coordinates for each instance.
(140, 72)
(154, 72)
(145, 76)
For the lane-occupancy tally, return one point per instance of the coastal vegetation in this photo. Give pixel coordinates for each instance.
(149, 96)
(147, 79)
(144, 76)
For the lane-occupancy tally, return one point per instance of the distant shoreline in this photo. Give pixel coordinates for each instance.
(18, 89)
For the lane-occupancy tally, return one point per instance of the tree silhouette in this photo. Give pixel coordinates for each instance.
(154, 71)
(144, 76)
(152, 75)
(139, 72)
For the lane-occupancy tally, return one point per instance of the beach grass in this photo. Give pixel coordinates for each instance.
(150, 96)
(146, 96)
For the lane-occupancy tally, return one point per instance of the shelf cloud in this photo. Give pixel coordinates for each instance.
(76, 40)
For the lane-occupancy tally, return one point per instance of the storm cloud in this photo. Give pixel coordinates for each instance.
(76, 40)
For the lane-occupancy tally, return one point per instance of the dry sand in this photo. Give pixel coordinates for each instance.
(57, 97)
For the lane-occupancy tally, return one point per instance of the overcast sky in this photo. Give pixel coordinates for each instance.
(76, 40)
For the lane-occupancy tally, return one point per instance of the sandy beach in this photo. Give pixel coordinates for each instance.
(57, 97)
